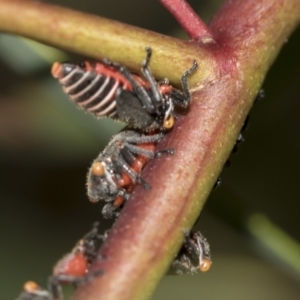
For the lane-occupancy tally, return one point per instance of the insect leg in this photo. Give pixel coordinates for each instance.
(187, 97)
(147, 74)
(133, 137)
(139, 90)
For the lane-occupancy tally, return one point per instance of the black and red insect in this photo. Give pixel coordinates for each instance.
(194, 255)
(71, 269)
(117, 169)
(107, 89)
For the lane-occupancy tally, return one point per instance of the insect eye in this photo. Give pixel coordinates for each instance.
(98, 169)
(56, 70)
(30, 286)
(169, 123)
(205, 265)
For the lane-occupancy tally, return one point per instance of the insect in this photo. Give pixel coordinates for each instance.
(116, 170)
(194, 256)
(107, 89)
(32, 291)
(73, 267)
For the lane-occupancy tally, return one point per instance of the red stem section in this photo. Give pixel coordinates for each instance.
(188, 19)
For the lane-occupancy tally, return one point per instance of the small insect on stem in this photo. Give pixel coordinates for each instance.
(194, 256)
(107, 89)
(71, 269)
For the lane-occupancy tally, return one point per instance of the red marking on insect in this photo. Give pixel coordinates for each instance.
(136, 166)
(73, 264)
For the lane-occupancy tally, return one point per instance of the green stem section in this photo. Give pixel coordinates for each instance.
(98, 37)
(248, 35)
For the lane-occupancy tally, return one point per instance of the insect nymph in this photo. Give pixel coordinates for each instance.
(117, 169)
(107, 89)
(194, 256)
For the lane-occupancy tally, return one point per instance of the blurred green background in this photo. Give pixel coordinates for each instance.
(46, 146)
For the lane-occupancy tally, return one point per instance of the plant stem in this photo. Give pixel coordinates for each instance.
(189, 20)
(249, 35)
(149, 231)
(98, 37)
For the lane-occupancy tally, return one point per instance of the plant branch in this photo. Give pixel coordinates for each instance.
(148, 233)
(98, 37)
(146, 236)
(189, 20)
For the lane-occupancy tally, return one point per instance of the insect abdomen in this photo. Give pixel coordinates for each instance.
(93, 91)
